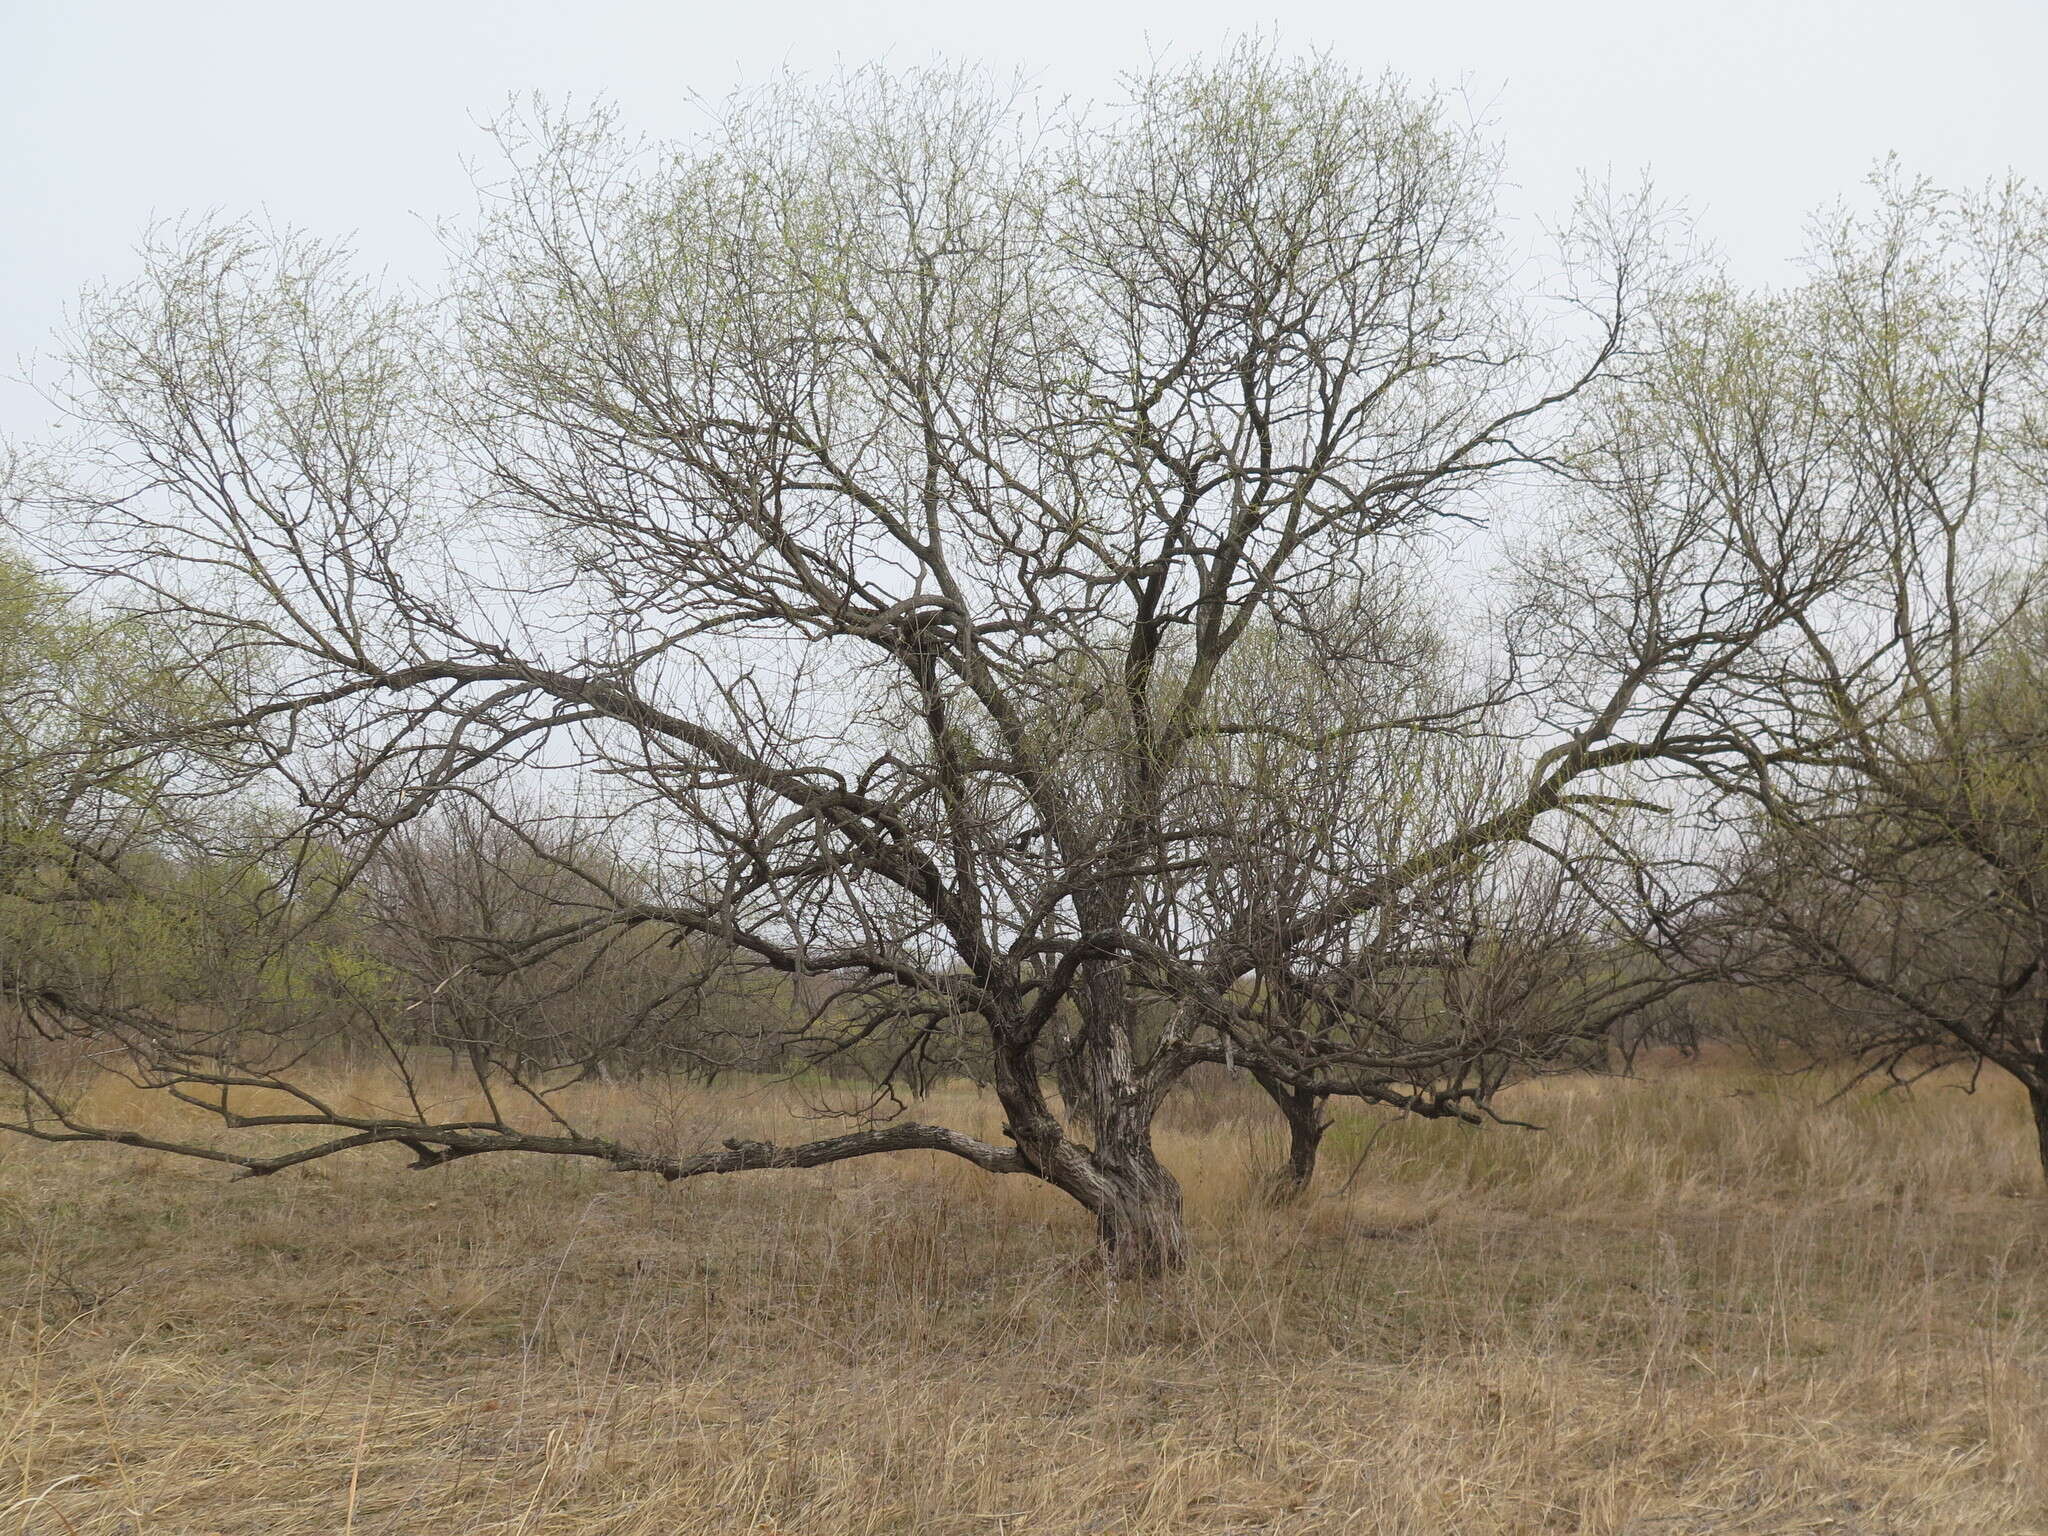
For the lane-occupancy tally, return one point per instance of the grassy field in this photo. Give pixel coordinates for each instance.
(1700, 1304)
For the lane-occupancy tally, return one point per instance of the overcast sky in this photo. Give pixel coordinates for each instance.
(357, 118)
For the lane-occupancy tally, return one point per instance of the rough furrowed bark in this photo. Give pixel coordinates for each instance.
(1135, 1200)
(1139, 1226)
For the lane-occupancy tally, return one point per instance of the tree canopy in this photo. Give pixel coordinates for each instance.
(1008, 564)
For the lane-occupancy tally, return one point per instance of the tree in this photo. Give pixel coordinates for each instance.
(73, 693)
(1515, 973)
(1888, 415)
(1907, 901)
(867, 509)
(1495, 966)
(117, 900)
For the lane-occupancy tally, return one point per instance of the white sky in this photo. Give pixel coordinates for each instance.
(356, 119)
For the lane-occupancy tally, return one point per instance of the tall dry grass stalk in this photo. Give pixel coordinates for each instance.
(1704, 1304)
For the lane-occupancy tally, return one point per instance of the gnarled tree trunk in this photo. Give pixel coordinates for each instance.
(1134, 1198)
(1137, 1206)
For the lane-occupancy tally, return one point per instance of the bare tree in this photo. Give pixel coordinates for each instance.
(1885, 418)
(867, 507)
(1366, 754)
(1906, 903)
(1513, 973)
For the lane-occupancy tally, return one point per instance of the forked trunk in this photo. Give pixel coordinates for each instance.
(1134, 1199)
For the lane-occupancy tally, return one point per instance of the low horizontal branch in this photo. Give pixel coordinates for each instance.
(738, 1156)
(433, 1146)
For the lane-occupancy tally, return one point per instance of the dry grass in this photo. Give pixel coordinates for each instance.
(1704, 1305)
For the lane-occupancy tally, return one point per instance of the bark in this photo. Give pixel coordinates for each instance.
(1137, 1205)
(2037, 1095)
(1135, 1200)
(1303, 1112)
